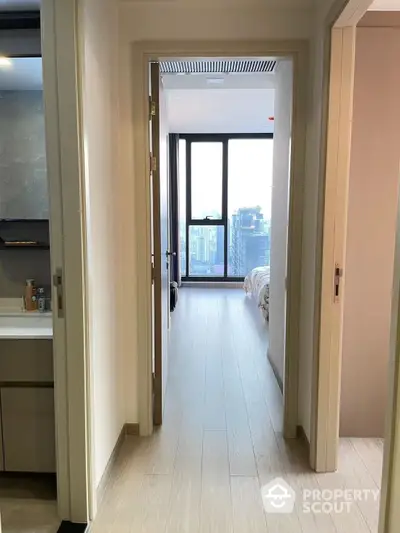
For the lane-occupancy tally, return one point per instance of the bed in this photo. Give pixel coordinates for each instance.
(256, 283)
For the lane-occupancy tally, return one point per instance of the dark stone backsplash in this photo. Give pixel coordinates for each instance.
(23, 185)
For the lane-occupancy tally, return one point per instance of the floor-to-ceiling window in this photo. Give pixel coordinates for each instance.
(225, 184)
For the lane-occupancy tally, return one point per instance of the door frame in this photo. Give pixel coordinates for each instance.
(338, 80)
(144, 52)
(64, 154)
(332, 247)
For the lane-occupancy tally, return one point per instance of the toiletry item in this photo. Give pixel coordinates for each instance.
(41, 299)
(30, 295)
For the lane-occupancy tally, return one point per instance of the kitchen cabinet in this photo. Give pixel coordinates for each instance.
(28, 429)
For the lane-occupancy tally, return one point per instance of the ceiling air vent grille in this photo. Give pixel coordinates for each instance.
(234, 66)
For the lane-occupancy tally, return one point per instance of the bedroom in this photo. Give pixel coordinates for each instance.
(228, 125)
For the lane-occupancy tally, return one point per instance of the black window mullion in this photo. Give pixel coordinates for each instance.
(188, 200)
(225, 202)
(207, 222)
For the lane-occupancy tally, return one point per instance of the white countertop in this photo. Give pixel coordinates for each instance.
(26, 327)
(18, 324)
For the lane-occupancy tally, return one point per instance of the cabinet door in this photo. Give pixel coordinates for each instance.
(26, 360)
(28, 429)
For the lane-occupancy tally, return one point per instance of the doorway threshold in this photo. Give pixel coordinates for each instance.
(213, 284)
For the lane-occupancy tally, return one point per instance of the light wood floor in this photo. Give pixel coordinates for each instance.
(221, 439)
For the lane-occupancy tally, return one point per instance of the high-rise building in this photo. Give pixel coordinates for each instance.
(250, 241)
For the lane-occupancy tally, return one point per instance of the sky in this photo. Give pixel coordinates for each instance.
(249, 176)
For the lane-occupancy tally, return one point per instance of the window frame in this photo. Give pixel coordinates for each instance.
(223, 138)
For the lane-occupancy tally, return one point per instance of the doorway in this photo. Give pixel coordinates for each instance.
(56, 238)
(353, 32)
(293, 260)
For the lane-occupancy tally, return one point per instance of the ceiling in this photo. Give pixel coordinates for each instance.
(220, 110)
(219, 81)
(19, 5)
(24, 74)
(219, 95)
(385, 5)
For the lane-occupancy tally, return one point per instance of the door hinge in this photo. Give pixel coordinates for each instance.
(153, 273)
(153, 163)
(152, 108)
(337, 278)
(58, 284)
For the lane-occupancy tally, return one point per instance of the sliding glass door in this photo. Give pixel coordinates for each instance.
(224, 204)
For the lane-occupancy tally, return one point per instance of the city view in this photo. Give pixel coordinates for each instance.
(248, 227)
(248, 245)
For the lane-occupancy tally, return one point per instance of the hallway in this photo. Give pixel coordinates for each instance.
(221, 440)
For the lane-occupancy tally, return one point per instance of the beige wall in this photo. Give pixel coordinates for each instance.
(279, 216)
(100, 116)
(373, 189)
(216, 20)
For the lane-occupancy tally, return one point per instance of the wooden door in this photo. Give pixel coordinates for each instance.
(161, 253)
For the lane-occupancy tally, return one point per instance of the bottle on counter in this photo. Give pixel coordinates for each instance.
(30, 295)
(41, 299)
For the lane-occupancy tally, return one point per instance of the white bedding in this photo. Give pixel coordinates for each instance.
(257, 283)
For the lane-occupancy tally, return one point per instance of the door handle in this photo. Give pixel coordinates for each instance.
(59, 285)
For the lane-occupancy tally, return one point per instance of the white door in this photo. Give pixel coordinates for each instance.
(61, 88)
(161, 252)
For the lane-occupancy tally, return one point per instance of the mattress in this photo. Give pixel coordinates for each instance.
(257, 284)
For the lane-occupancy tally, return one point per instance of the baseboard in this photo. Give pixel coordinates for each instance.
(212, 284)
(105, 478)
(127, 429)
(275, 371)
(132, 429)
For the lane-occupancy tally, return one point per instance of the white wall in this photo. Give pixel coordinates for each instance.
(100, 115)
(220, 110)
(312, 193)
(179, 20)
(279, 216)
